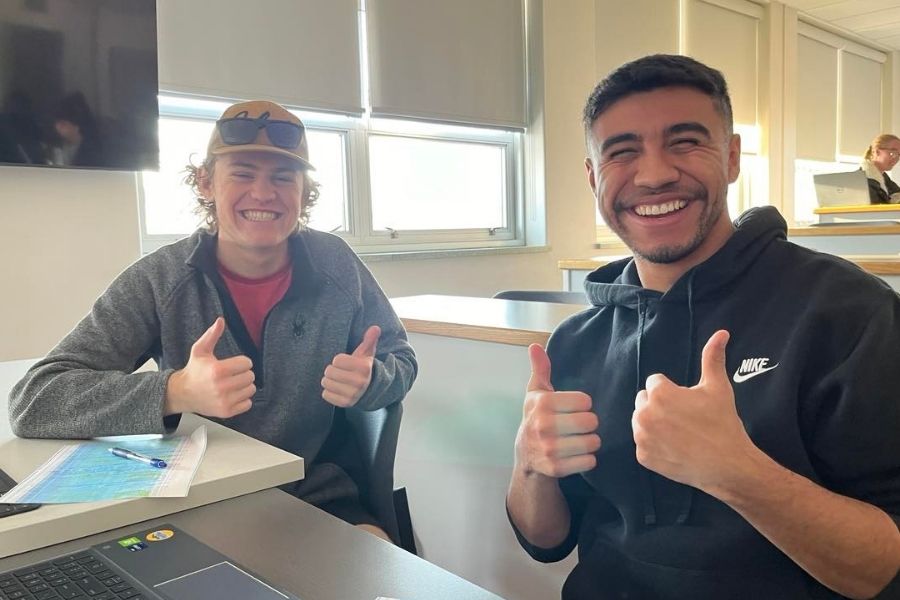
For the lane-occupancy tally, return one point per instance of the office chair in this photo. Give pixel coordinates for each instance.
(558, 296)
(376, 434)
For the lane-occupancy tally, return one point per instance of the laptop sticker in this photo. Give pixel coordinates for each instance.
(160, 535)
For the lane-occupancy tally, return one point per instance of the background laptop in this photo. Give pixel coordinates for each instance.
(162, 563)
(842, 189)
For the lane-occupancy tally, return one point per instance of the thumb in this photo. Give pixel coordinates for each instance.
(206, 343)
(540, 369)
(369, 344)
(712, 362)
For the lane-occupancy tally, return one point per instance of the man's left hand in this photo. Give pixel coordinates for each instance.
(692, 435)
(348, 376)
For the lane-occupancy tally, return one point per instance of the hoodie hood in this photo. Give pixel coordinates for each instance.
(618, 283)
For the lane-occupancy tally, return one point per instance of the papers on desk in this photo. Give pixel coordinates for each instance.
(88, 472)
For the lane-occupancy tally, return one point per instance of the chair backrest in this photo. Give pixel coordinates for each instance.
(557, 296)
(376, 434)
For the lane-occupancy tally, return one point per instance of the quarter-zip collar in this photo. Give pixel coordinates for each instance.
(306, 279)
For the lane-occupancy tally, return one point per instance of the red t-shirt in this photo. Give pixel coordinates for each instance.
(254, 298)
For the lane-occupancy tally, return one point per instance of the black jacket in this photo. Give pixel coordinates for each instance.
(826, 406)
(877, 194)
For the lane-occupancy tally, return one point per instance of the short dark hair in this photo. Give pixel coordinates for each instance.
(654, 72)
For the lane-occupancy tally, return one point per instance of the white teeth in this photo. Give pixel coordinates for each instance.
(646, 210)
(259, 215)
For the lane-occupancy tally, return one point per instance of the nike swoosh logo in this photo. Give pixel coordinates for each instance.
(739, 378)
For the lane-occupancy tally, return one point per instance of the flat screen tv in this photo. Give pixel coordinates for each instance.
(78, 84)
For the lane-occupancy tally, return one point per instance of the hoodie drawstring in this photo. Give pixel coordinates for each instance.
(646, 485)
(684, 510)
(687, 493)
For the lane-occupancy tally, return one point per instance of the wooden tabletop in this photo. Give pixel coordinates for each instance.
(876, 264)
(862, 208)
(513, 322)
(847, 228)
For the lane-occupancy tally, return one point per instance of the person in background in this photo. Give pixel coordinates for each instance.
(255, 321)
(80, 143)
(723, 421)
(881, 156)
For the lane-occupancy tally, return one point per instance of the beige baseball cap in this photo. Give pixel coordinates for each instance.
(260, 126)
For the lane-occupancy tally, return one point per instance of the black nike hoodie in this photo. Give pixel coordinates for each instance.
(813, 358)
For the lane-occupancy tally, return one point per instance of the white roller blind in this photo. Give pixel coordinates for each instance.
(650, 26)
(459, 61)
(299, 52)
(817, 88)
(725, 36)
(860, 103)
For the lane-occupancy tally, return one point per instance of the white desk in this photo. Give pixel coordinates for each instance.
(233, 465)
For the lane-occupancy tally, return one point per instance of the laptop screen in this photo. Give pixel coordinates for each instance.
(842, 189)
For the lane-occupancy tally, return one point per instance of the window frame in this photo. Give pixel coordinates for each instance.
(356, 132)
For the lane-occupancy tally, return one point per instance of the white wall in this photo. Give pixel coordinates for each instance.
(64, 235)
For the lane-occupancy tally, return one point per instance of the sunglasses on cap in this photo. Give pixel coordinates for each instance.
(243, 130)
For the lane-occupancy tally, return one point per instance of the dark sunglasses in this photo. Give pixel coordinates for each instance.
(243, 130)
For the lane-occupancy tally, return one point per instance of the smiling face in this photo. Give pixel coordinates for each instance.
(257, 197)
(660, 166)
(886, 155)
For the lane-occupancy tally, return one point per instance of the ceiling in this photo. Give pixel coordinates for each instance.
(875, 20)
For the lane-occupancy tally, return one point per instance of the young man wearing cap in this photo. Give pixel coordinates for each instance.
(256, 321)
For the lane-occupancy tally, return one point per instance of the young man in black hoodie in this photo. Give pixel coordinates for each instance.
(679, 470)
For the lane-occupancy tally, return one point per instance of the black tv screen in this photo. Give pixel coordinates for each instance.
(78, 84)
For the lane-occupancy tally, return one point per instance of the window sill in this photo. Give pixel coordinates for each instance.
(372, 257)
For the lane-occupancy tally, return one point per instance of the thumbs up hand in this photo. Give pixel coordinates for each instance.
(209, 386)
(348, 376)
(557, 436)
(692, 435)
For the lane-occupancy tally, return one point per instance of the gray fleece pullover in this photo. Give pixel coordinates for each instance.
(159, 306)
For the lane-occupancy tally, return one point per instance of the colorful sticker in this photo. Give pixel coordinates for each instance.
(129, 542)
(138, 547)
(160, 535)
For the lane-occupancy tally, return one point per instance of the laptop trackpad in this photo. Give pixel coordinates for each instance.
(218, 582)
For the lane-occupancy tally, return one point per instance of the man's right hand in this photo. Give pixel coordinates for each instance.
(558, 435)
(208, 386)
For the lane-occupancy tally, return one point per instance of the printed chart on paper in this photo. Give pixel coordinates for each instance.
(88, 472)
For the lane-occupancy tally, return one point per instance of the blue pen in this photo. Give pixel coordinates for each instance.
(132, 455)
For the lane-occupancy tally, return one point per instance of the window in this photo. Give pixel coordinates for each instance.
(418, 140)
(386, 185)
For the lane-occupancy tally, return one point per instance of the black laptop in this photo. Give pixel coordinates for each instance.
(162, 563)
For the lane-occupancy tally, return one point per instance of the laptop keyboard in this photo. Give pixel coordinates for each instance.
(79, 576)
